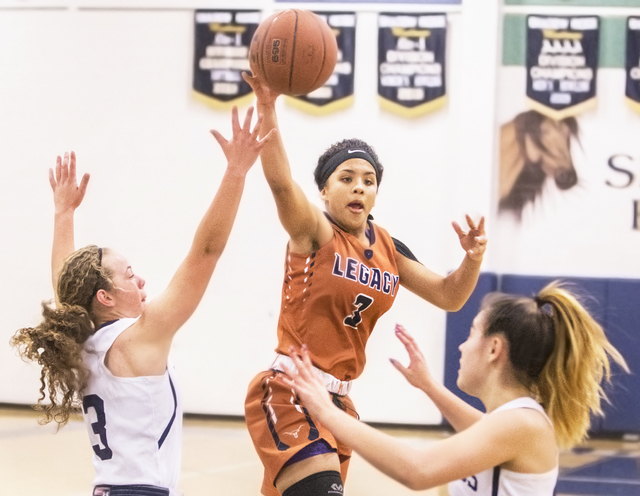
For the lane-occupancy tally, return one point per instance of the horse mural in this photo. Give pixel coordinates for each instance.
(532, 148)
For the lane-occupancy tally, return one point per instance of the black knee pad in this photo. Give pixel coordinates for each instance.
(328, 483)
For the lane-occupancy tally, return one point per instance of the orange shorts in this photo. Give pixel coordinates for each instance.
(280, 427)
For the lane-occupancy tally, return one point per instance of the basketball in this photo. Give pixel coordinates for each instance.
(293, 52)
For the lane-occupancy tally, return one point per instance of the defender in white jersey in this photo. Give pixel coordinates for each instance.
(521, 352)
(104, 348)
(142, 440)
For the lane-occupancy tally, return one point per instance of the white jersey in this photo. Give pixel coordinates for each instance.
(134, 423)
(500, 482)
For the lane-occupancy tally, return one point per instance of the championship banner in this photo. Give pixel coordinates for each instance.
(562, 63)
(337, 92)
(222, 39)
(411, 62)
(633, 63)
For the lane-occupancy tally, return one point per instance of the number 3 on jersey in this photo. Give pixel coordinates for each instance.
(99, 426)
(362, 303)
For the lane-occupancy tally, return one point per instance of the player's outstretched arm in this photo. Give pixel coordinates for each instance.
(478, 448)
(302, 220)
(67, 196)
(451, 292)
(459, 413)
(165, 314)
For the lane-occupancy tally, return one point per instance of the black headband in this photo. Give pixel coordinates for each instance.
(98, 281)
(342, 156)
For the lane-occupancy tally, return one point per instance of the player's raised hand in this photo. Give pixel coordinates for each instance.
(67, 193)
(264, 94)
(473, 241)
(243, 149)
(417, 372)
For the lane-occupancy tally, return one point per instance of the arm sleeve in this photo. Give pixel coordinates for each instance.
(404, 250)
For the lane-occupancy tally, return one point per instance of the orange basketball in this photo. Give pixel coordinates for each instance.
(294, 52)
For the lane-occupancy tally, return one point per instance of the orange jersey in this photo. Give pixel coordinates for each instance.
(332, 299)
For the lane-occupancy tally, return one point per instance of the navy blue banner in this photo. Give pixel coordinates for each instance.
(633, 63)
(411, 62)
(562, 63)
(222, 39)
(337, 92)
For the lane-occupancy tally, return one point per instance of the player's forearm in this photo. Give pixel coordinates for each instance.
(213, 232)
(457, 412)
(63, 243)
(386, 453)
(459, 284)
(273, 156)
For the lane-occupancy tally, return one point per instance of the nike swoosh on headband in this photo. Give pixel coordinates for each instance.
(354, 151)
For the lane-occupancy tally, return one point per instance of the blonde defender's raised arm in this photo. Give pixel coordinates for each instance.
(166, 313)
(67, 196)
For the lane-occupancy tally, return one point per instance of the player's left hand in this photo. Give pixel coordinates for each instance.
(67, 193)
(474, 241)
(304, 381)
(243, 149)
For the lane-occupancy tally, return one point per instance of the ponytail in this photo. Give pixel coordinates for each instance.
(570, 384)
(57, 343)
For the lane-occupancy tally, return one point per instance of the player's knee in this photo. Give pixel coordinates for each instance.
(324, 483)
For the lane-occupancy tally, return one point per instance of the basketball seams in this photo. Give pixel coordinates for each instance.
(261, 65)
(293, 49)
(277, 38)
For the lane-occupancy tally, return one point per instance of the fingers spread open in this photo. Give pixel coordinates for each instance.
(219, 138)
(235, 122)
(247, 120)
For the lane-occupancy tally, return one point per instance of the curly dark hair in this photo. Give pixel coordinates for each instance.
(343, 145)
(56, 344)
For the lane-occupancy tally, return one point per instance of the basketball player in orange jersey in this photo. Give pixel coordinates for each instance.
(342, 272)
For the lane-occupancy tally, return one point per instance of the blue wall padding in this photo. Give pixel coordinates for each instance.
(623, 330)
(458, 325)
(615, 304)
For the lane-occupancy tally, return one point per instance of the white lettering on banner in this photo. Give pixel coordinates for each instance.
(209, 17)
(385, 21)
(410, 69)
(428, 81)
(410, 94)
(548, 22)
(575, 86)
(343, 68)
(225, 75)
(248, 17)
(635, 73)
(225, 89)
(235, 52)
(393, 81)
(634, 24)
(560, 98)
(413, 57)
(342, 20)
(561, 46)
(433, 21)
(584, 23)
(585, 73)
(561, 60)
(209, 64)
(542, 84)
